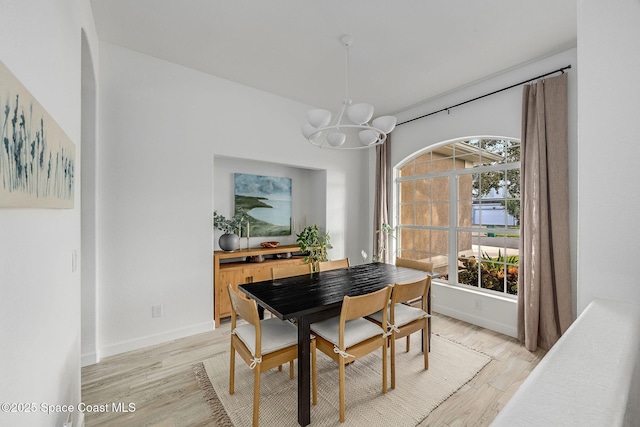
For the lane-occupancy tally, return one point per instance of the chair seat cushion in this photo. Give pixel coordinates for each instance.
(355, 331)
(276, 335)
(403, 314)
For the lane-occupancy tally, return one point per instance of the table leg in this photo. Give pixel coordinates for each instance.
(304, 376)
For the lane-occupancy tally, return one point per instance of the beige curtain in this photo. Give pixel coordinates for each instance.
(544, 289)
(381, 202)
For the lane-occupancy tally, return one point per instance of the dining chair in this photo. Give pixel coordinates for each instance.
(290, 270)
(348, 337)
(333, 265)
(263, 344)
(424, 266)
(405, 319)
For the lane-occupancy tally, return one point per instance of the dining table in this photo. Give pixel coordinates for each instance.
(318, 296)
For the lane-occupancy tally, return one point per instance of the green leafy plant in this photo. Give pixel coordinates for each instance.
(315, 244)
(229, 226)
(383, 233)
(492, 272)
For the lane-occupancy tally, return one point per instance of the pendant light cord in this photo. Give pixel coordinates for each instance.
(346, 75)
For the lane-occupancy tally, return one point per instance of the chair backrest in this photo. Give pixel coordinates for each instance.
(243, 307)
(415, 264)
(290, 270)
(403, 292)
(333, 265)
(363, 305)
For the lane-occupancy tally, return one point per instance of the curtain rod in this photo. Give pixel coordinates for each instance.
(489, 94)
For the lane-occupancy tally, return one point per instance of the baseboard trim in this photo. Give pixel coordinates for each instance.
(476, 320)
(149, 340)
(87, 359)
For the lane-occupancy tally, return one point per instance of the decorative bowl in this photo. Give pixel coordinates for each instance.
(269, 244)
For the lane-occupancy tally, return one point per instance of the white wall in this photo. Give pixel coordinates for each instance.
(498, 115)
(609, 130)
(40, 42)
(161, 125)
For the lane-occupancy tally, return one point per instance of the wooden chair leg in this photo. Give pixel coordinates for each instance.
(384, 366)
(279, 368)
(232, 370)
(341, 387)
(314, 374)
(426, 350)
(393, 362)
(291, 369)
(256, 395)
(408, 342)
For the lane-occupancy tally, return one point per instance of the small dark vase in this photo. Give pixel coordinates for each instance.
(229, 242)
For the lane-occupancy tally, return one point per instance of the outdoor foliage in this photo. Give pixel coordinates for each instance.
(492, 272)
(510, 153)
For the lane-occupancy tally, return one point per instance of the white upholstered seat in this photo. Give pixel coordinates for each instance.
(403, 314)
(276, 335)
(355, 331)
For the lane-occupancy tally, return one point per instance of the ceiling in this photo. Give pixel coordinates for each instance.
(404, 51)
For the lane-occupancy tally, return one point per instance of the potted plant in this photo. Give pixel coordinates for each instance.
(229, 241)
(384, 233)
(315, 244)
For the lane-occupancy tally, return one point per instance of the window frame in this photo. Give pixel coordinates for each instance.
(453, 228)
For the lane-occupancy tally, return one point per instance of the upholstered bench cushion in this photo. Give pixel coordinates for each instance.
(355, 331)
(589, 378)
(403, 314)
(276, 335)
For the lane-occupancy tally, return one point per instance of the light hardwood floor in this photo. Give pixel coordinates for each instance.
(161, 383)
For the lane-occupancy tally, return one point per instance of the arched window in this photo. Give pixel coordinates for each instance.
(463, 194)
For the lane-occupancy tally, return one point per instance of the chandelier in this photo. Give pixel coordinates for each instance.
(351, 130)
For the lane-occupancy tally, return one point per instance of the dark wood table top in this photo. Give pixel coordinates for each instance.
(297, 296)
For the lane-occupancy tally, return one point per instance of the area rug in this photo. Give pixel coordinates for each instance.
(417, 392)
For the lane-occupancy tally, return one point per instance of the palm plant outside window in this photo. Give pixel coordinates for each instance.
(465, 195)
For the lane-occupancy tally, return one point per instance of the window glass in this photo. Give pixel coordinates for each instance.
(465, 194)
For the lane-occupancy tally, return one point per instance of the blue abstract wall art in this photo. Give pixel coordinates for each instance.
(37, 159)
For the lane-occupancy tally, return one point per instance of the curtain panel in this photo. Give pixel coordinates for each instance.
(381, 201)
(544, 289)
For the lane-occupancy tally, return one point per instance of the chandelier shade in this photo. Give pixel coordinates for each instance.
(385, 123)
(351, 130)
(360, 113)
(319, 118)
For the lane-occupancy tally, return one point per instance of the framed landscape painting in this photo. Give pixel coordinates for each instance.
(37, 159)
(265, 202)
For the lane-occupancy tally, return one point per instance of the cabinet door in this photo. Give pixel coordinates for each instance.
(258, 273)
(234, 277)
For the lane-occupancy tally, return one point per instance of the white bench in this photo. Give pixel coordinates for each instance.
(590, 377)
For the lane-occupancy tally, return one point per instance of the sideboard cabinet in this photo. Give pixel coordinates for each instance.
(235, 271)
